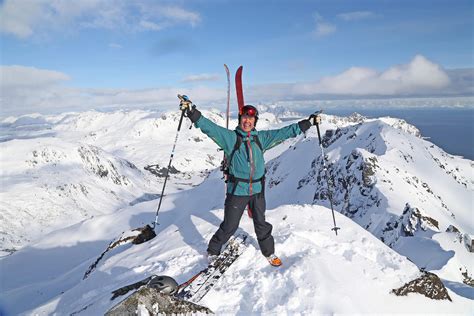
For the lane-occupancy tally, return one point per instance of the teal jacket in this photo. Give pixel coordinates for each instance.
(246, 164)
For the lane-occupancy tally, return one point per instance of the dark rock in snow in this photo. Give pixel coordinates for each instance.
(412, 220)
(468, 280)
(452, 229)
(145, 233)
(95, 161)
(136, 236)
(368, 171)
(428, 284)
(150, 300)
(160, 172)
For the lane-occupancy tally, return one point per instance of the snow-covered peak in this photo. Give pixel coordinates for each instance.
(279, 111)
(403, 189)
(75, 183)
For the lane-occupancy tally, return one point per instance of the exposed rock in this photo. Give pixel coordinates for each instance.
(469, 242)
(452, 229)
(356, 118)
(368, 171)
(468, 280)
(412, 220)
(151, 301)
(332, 136)
(160, 172)
(94, 160)
(136, 237)
(154, 281)
(428, 284)
(144, 234)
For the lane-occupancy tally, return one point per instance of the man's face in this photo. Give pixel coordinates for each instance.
(247, 123)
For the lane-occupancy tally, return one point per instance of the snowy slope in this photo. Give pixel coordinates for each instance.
(89, 172)
(58, 170)
(322, 273)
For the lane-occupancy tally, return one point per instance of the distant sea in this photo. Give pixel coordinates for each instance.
(451, 129)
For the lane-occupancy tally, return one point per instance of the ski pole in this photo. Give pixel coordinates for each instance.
(182, 98)
(328, 183)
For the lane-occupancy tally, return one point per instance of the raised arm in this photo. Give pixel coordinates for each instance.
(271, 138)
(223, 137)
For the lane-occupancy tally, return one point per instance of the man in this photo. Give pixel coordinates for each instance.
(244, 149)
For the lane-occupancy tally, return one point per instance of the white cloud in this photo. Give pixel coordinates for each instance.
(25, 18)
(27, 89)
(115, 46)
(147, 25)
(181, 15)
(356, 15)
(201, 77)
(29, 77)
(19, 17)
(322, 27)
(417, 77)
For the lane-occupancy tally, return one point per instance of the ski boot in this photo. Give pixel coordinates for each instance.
(274, 260)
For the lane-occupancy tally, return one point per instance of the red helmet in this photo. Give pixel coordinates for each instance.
(249, 110)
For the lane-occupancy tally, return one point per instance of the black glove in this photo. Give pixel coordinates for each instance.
(315, 118)
(187, 105)
(304, 125)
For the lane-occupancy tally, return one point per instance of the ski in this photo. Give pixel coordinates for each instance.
(224, 159)
(238, 88)
(200, 284)
(228, 96)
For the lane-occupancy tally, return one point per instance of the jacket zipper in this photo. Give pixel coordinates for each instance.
(251, 163)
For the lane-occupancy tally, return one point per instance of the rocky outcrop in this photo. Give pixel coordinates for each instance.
(136, 237)
(160, 171)
(95, 161)
(413, 220)
(408, 224)
(149, 301)
(429, 285)
(467, 278)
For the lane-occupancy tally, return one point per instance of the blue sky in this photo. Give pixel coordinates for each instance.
(99, 53)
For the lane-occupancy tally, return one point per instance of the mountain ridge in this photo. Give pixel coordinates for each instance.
(363, 157)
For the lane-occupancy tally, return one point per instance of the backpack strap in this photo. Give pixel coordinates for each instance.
(257, 141)
(237, 144)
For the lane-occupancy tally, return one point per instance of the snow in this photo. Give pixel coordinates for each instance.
(66, 194)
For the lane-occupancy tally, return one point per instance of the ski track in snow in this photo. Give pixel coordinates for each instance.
(321, 273)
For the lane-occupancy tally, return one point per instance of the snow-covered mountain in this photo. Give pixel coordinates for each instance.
(279, 111)
(59, 170)
(71, 183)
(406, 191)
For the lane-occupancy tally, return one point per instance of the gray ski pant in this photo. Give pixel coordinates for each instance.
(233, 210)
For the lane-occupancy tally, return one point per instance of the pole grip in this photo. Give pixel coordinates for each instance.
(319, 134)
